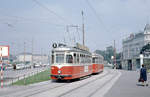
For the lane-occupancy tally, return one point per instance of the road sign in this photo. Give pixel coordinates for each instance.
(4, 51)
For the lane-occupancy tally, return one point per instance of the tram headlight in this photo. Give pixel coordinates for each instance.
(59, 71)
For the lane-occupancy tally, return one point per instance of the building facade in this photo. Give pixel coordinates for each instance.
(37, 58)
(132, 46)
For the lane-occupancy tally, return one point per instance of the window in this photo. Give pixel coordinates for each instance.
(52, 59)
(59, 58)
(93, 61)
(69, 59)
(75, 58)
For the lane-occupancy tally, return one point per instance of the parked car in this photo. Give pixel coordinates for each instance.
(20, 66)
(28, 65)
(37, 65)
(9, 67)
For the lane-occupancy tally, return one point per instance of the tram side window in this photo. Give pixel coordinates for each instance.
(82, 58)
(89, 59)
(96, 60)
(77, 58)
(52, 59)
(59, 58)
(69, 59)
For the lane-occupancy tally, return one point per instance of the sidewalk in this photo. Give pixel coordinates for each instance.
(127, 86)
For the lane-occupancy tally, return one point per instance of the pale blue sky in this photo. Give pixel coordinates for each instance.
(20, 20)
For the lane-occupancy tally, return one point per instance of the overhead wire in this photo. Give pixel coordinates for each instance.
(51, 11)
(54, 13)
(20, 19)
(96, 14)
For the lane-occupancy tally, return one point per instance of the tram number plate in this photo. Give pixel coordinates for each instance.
(86, 68)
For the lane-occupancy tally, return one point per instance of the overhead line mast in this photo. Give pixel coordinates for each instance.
(83, 28)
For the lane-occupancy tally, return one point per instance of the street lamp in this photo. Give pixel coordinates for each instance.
(141, 60)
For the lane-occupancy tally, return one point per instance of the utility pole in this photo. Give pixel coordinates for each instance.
(32, 55)
(115, 54)
(41, 56)
(24, 51)
(83, 27)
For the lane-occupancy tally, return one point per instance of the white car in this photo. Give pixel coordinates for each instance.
(37, 65)
(28, 66)
(20, 66)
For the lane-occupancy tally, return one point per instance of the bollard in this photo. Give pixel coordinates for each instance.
(24, 79)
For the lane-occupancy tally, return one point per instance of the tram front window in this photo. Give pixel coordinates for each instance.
(69, 59)
(59, 58)
(93, 60)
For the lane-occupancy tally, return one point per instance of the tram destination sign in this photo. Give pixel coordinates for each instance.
(4, 51)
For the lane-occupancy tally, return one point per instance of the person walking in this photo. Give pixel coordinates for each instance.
(143, 76)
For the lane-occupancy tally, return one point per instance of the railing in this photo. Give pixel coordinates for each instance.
(11, 80)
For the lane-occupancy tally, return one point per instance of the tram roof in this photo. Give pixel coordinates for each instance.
(96, 55)
(70, 49)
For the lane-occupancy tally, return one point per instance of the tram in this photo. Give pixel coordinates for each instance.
(97, 63)
(70, 62)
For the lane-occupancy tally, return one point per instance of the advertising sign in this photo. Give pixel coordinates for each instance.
(4, 51)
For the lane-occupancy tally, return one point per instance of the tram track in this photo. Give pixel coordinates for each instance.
(83, 84)
(48, 89)
(38, 91)
(33, 90)
(43, 88)
(91, 94)
(100, 86)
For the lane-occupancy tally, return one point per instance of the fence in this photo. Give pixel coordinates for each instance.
(28, 78)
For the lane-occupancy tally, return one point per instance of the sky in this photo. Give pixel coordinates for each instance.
(44, 22)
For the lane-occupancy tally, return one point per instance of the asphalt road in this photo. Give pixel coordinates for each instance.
(13, 75)
(93, 86)
(16, 73)
(110, 83)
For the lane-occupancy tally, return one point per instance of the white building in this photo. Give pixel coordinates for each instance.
(132, 46)
(37, 58)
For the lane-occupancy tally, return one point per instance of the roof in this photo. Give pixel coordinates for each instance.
(136, 35)
(147, 28)
(69, 49)
(97, 55)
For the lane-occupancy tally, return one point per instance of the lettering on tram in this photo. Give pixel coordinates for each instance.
(71, 62)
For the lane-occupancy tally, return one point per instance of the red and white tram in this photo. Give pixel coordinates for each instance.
(97, 63)
(70, 62)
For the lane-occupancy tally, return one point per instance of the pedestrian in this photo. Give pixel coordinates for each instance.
(143, 76)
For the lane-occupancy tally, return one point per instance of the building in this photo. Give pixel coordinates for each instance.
(132, 46)
(37, 58)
